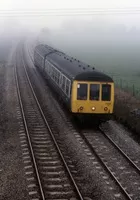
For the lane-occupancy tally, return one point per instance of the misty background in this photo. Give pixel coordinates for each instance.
(106, 45)
(111, 46)
(108, 41)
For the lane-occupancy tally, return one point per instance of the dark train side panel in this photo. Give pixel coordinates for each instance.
(42, 65)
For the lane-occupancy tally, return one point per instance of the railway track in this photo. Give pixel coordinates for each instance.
(48, 175)
(111, 164)
(133, 162)
(119, 166)
(123, 140)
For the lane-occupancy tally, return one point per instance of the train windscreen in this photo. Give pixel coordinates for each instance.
(106, 92)
(82, 91)
(94, 92)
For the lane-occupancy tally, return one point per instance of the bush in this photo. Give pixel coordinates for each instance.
(127, 110)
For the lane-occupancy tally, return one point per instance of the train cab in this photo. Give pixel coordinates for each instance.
(92, 97)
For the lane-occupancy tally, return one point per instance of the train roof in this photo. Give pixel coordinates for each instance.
(43, 49)
(72, 67)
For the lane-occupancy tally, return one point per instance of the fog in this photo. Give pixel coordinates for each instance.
(12, 31)
(109, 41)
(106, 44)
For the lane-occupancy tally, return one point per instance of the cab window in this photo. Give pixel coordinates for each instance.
(106, 92)
(94, 92)
(82, 91)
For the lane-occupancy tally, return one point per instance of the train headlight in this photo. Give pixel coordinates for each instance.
(105, 109)
(93, 108)
(81, 108)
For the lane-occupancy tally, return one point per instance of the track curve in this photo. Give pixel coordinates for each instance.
(54, 179)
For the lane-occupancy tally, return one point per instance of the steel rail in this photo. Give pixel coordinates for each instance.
(106, 167)
(121, 151)
(51, 133)
(28, 136)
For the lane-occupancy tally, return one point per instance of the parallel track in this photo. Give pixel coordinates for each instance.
(121, 168)
(54, 179)
(121, 151)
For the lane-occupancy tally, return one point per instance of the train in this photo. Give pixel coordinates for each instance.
(84, 90)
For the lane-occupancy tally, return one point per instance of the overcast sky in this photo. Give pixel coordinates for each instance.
(41, 4)
(116, 15)
(16, 7)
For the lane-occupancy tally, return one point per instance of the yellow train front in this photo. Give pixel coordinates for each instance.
(94, 98)
(93, 94)
(83, 89)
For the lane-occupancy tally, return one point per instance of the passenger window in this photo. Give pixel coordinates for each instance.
(58, 77)
(106, 92)
(81, 91)
(67, 87)
(63, 83)
(94, 92)
(60, 80)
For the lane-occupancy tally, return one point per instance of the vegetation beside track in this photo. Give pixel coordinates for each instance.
(127, 110)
